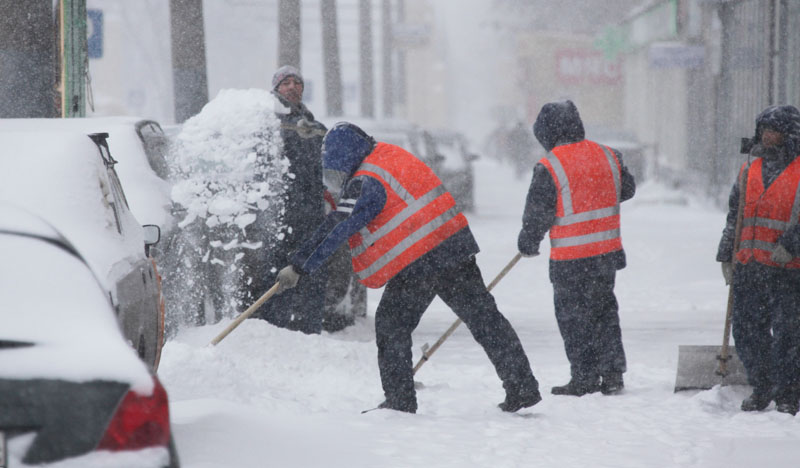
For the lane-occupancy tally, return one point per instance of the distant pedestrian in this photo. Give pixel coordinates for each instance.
(575, 194)
(405, 233)
(300, 309)
(766, 280)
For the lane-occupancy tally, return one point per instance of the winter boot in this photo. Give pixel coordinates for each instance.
(757, 401)
(404, 406)
(787, 402)
(788, 407)
(577, 388)
(517, 401)
(612, 384)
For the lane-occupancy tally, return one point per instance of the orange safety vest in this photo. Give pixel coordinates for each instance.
(588, 183)
(768, 213)
(419, 214)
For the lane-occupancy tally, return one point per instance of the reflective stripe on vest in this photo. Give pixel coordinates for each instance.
(582, 228)
(419, 214)
(768, 213)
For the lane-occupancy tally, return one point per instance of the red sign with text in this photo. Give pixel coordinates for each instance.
(581, 66)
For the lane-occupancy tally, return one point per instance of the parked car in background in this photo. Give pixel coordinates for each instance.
(633, 151)
(445, 151)
(70, 385)
(70, 179)
(448, 153)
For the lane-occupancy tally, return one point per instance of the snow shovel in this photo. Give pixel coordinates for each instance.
(245, 314)
(702, 367)
(427, 351)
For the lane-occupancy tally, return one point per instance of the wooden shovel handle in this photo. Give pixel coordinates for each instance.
(245, 314)
(428, 352)
(737, 234)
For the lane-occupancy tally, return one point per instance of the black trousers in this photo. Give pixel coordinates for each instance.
(766, 327)
(588, 318)
(461, 287)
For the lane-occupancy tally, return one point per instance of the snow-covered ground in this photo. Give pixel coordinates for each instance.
(270, 397)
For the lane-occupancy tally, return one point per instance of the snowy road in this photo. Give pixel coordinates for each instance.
(267, 397)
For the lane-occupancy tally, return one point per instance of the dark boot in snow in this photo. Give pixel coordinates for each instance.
(404, 406)
(517, 401)
(787, 402)
(788, 407)
(612, 384)
(757, 401)
(577, 388)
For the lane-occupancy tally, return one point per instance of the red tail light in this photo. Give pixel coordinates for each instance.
(140, 421)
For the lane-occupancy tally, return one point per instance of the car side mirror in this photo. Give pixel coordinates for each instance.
(152, 234)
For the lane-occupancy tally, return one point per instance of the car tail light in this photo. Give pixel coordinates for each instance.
(140, 421)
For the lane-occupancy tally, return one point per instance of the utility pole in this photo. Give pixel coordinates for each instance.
(365, 58)
(289, 33)
(388, 81)
(27, 59)
(190, 82)
(330, 57)
(74, 60)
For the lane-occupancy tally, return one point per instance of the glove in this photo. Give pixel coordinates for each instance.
(727, 272)
(781, 255)
(529, 255)
(287, 279)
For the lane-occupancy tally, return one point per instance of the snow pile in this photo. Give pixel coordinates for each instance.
(229, 183)
(228, 159)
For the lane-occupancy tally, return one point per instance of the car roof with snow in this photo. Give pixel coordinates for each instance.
(148, 194)
(62, 177)
(55, 319)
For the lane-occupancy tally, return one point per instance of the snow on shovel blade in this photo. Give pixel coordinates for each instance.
(698, 366)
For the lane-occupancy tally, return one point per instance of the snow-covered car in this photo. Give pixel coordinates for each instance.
(140, 145)
(70, 385)
(70, 180)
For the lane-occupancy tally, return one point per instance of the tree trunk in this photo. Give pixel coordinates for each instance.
(330, 57)
(289, 33)
(388, 77)
(366, 60)
(188, 57)
(27, 59)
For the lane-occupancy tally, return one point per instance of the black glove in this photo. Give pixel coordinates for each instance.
(287, 279)
(529, 255)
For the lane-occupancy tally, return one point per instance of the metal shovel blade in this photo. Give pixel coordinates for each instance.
(698, 366)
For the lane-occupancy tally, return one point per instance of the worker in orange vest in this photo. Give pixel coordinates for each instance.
(406, 233)
(575, 193)
(766, 283)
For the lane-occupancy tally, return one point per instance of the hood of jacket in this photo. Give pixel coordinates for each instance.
(345, 147)
(558, 123)
(784, 119)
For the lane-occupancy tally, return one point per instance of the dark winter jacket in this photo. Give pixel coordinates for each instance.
(302, 146)
(560, 124)
(786, 120)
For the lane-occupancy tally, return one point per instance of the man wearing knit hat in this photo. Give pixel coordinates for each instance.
(302, 308)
